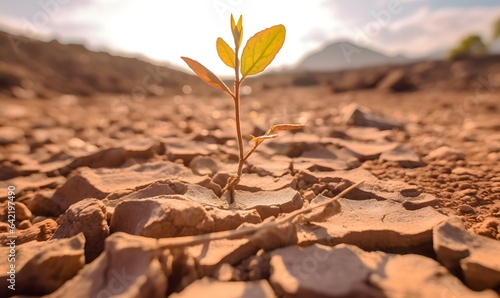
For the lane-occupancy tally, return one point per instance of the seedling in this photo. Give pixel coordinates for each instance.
(258, 53)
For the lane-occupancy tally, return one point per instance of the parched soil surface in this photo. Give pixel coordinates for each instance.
(59, 152)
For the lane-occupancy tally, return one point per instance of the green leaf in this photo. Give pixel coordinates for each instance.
(206, 75)
(226, 54)
(261, 49)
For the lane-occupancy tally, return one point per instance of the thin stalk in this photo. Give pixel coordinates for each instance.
(238, 127)
(241, 160)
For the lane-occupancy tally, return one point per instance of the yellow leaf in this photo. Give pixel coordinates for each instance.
(240, 29)
(279, 127)
(240, 23)
(225, 52)
(261, 49)
(233, 24)
(237, 31)
(206, 75)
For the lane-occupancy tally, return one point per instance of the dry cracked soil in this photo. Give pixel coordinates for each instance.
(117, 197)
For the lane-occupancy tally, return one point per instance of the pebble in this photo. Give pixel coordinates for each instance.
(10, 135)
(464, 208)
(24, 224)
(465, 171)
(22, 212)
(463, 186)
(411, 174)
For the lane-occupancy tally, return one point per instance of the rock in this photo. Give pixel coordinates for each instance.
(254, 182)
(268, 239)
(8, 171)
(465, 171)
(203, 165)
(161, 217)
(325, 160)
(128, 267)
(373, 224)
(459, 250)
(231, 219)
(403, 155)
(32, 182)
(24, 224)
(307, 272)
(22, 212)
(268, 203)
(464, 208)
(397, 81)
(158, 188)
(11, 111)
(367, 151)
(261, 165)
(180, 148)
(490, 227)
(99, 183)
(208, 287)
(39, 203)
(11, 135)
(209, 257)
(355, 114)
(291, 145)
(371, 188)
(179, 189)
(418, 276)
(87, 217)
(367, 133)
(42, 267)
(203, 195)
(421, 201)
(445, 152)
(137, 148)
(40, 231)
(354, 81)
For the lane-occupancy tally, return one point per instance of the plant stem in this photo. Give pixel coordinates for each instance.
(236, 98)
(238, 129)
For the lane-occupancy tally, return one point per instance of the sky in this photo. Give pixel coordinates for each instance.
(164, 30)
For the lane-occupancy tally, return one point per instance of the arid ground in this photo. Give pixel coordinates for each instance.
(118, 192)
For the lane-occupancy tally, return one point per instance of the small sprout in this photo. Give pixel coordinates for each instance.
(237, 31)
(259, 51)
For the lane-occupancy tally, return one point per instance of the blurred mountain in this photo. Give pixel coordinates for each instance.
(30, 68)
(438, 54)
(343, 55)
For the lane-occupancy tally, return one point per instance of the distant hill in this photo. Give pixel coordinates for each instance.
(438, 54)
(343, 55)
(31, 67)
